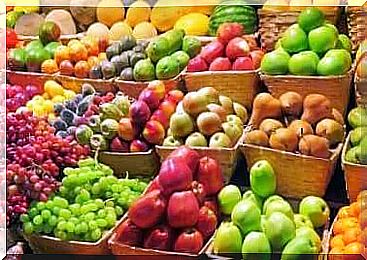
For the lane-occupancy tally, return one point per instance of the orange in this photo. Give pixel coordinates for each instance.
(349, 223)
(355, 209)
(354, 248)
(338, 227)
(344, 212)
(352, 235)
(337, 241)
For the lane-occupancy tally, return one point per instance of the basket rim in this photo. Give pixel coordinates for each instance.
(149, 152)
(287, 12)
(264, 76)
(225, 72)
(29, 73)
(72, 78)
(117, 80)
(344, 152)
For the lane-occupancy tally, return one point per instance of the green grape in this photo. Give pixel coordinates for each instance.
(56, 210)
(84, 209)
(49, 204)
(110, 203)
(28, 228)
(115, 188)
(33, 212)
(106, 169)
(74, 220)
(93, 206)
(77, 190)
(111, 220)
(88, 187)
(68, 171)
(122, 201)
(96, 234)
(59, 219)
(52, 221)
(90, 216)
(99, 203)
(64, 191)
(92, 225)
(119, 211)
(124, 189)
(96, 189)
(41, 205)
(110, 210)
(38, 220)
(69, 236)
(88, 162)
(38, 228)
(46, 214)
(47, 229)
(82, 197)
(62, 235)
(87, 237)
(61, 202)
(83, 227)
(24, 218)
(101, 213)
(102, 223)
(78, 229)
(83, 177)
(75, 209)
(116, 196)
(69, 226)
(61, 225)
(65, 213)
(108, 194)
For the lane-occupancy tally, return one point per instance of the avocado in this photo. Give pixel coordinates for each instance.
(134, 58)
(127, 42)
(127, 74)
(157, 49)
(182, 58)
(167, 68)
(144, 70)
(119, 63)
(191, 45)
(96, 72)
(108, 70)
(113, 50)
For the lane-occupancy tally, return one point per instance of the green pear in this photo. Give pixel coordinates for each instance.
(227, 239)
(228, 198)
(181, 124)
(357, 134)
(357, 117)
(170, 141)
(250, 195)
(235, 119)
(322, 39)
(311, 234)
(302, 221)
(233, 131)
(246, 216)
(196, 140)
(269, 200)
(316, 209)
(279, 229)
(263, 179)
(298, 248)
(280, 206)
(240, 111)
(256, 246)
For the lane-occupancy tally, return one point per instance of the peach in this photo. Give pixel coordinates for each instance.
(126, 129)
(168, 107)
(154, 132)
(151, 98)
(175, 96)
(161, 117)
(138, 146)
(158, 87)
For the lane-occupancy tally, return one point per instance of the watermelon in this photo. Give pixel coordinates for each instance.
(49, 32)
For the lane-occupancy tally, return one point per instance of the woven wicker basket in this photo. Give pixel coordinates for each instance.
(360, 84)
(273, 23)
(63, 38)
(28, 78)
(75, 84)
(355, 174)
(240, 86)
(335, 88)
(357, 24)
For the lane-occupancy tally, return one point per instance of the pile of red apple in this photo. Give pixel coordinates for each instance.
(179, 211)
(230, 51)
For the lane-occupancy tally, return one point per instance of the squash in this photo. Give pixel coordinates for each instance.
(110, 12)
(195, 24)
(144, 30)
(138, 12)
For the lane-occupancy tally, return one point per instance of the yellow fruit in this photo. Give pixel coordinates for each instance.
(51, 117)
(196, 24)
(38, 98)
(203, 6)
(30, 105)
(144, 30)
(46, 96)
(280, 5)
(39, 111)
(138, 12)
(118, 30)
(53, 88)
(69, 94)
(58, 99)
(110, 12)
(73, 41)
(48, 106)
(98, 30)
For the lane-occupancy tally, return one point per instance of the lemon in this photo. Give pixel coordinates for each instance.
(196, 24)
(30, 105)
(46, 96)
(38, 98)
(39, 111)
(53, 88)
(51, 117)
(48, 105)
(118, 30)
(58, 99)
(69, 94)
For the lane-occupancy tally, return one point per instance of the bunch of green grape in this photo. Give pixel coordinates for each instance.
(89, 203)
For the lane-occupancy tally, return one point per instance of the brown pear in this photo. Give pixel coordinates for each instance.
(301, 128)
(227, 104)
(209, 123)
(291, 103)
(270, 125)
(265, 106)
(331, 130)
(211, 94)
(284, 139)
(241, 112)
(315, 108)
(194, 103)
(257, 137)
(338, 117)
(220, 111)
(314, 145)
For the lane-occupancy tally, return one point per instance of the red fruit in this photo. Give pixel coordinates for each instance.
(228, 31)
(11, 38)
(150, 98)
(257, 57)
(154, 132)
(66, 68)
(160, 116)
(243, 63)
(130, 234)
(148, 210)
(175, 175)
(197, 64)
(126, 129)
(139, 112)
(237, 47)
(210, 175)
(189, 241)
(159, 238)
(81, 69)
(199, 191)
(117, 145)
(220, 64)
(190, 156)
(207, 222)
(174, 96)
(212, 204)
(103, 44)
(154, 185)
(138, 146)
(212, 51)
(183, 209)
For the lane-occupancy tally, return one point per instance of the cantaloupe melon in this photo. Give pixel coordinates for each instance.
(120, 29)
(138, 12)
(299, 5)
(98, 30)
(196, 24)
(110, 12)
(144, 30)
(64, 20)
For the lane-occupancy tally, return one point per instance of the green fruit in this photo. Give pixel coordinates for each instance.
(12, 18)
(279, 206)
(302, 221)
(17, 59)
(109, 128)
(110, 111)
(279, 229)
(332, 65)
(182, 58)
(262, 179)
(35, 44)
(228, 198)
(270, 200)
(167, 68)
(250, 195)
(49, 32)
(357, 117)
(144, 70)
(362, 155)
(83, 134)
(322, 39)
(344, 43)
(310, 19)
(256, 246)
(51, 48)
(158, 49)
(310, 233)
(191, 45)
(174, 38)
(303, 63)
(341, 53)
(353, 154)
(298, 247)
(34, 59)
(275, 62)
(228, 239)
(246, 216)
(316, 209)
(294, 39)
(357, 134)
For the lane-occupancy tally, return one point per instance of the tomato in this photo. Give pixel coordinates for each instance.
(11, 38)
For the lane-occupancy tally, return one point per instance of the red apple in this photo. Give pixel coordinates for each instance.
(212, 51)
(151, 98)
(207, 222)
(228, 31)
(210, 175)
(168, 107)
(190, 156)
(139, 112)
(212, 204)
(118, 145)
(157, 86)
(154, 132)
(197, 64)
(130, 234)
(159, 238)
(237, 47)
(189, 241)
(183, 209)
(154, 185)
(243, 63)
(175, 96)
(138, 146)
(148, 210)
(199, 191)
(161, 117)
(66, 68)
(126, 129)
(257, 56)
(220, 64)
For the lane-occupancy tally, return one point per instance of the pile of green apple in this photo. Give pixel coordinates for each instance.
(310, 47)
(263, 223)
(204, 118)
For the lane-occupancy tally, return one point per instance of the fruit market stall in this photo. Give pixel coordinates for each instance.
(211, 129)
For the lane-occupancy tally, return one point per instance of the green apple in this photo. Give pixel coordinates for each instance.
(270, 200)
(316, 209)
(311, 18)
(302, 221)
(322, 39)
(256, 246)
(303, 63)
(362, 155)
(181, 124)
(299, 247)
(262, 222)
(246, 216)
(342, 54)
(228, 198)
(334, 64)
(279, 229)
(357, 134)
(294, 39)
(233, 131)
(311, 234)
(240, 111)
(344, 43)
(353, 154)
(196, 139)
(250, 195)
(227, 239)
(279, 206)
(357, 117)
(170, 141)
(235, 119)
(275, 62)
(220, 140)
(263, 179)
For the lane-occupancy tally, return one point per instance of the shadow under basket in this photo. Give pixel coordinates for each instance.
(357, 24)
(240, 86)
(335, 88)
(297, 175)
(136, 164)
(24, 78)
(355, 174)
(75, 84)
